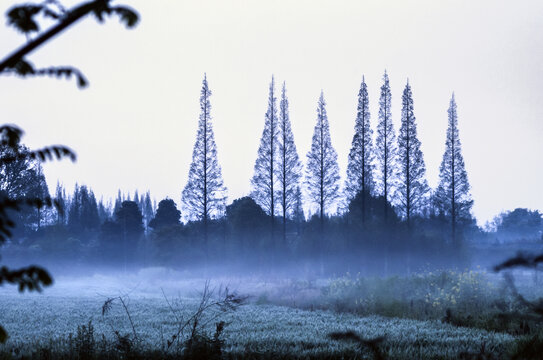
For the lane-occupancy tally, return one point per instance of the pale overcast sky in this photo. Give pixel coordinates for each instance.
(134, 127)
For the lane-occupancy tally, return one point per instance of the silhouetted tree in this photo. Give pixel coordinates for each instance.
(60, 198)
(385, 145)
(137, 199)
(264, 178)
(452, 193)
(322, 171)
(290, 167)
(83, 216)
(166, 215)
(521, 221)
(104, 211)
(129, 222)
(118, 202)
(412, 188)
(205, 194)
(360, 166)
(247, 223)
(147, 209)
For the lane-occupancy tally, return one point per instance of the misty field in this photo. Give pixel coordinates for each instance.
(281, 319)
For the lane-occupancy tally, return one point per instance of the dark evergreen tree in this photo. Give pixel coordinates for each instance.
(147, 209)
(118, 202)
(74, 212)
(204, 195)
(322, 171)
(290, 166)
(137, 198)
(104, 212)
(452, 193)
(60, 198)
(247, 223)
(89, 211)
(360, 166)
(412, 188)
(130, 224)
(83, 216)
(166, 215)
(385, 145)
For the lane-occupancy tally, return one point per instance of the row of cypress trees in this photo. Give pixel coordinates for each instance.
(393, 167)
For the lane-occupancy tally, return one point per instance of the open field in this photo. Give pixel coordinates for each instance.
(257, 329)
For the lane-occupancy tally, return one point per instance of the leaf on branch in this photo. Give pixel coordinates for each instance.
(65, 71)
(521, 260)
(51, 152)
(51, 14)
(31, 278)
(3, 335)
(21, 17)
(24, 68)
(127, 15)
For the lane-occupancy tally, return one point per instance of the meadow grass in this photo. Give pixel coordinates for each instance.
(46, 326)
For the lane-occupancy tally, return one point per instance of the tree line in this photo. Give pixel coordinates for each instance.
(393, 167)
(385, 202)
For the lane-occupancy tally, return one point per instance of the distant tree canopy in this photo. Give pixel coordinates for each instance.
(519, 223)
(166, 215)
(245, 214)
(83, 211)
(129, 219)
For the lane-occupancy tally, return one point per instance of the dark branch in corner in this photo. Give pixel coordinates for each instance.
(22, 17)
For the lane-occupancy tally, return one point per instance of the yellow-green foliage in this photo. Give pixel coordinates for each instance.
(425, 295)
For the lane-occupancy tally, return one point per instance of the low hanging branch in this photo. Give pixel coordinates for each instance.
(23, 18)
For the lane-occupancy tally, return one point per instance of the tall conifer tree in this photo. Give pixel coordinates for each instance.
(289, 169)
(360, 167)
(412, 189)
(452, 194)
(264, 178)
(264, 189)
(322, 172)
(385, 145)
(204, 195)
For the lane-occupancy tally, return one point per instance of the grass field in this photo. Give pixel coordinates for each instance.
(255, 330)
